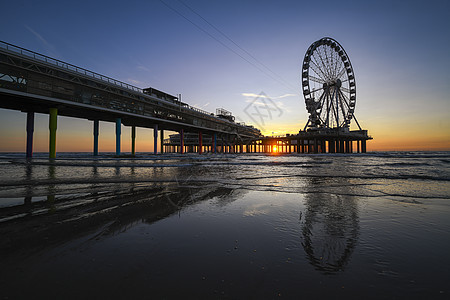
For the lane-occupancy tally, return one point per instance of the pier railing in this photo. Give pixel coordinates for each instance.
(134, 91)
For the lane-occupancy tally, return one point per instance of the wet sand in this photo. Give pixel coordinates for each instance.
(241, 235)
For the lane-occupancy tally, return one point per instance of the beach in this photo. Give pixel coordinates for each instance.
(226, 226)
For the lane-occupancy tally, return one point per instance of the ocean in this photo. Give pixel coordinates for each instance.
(225, 226)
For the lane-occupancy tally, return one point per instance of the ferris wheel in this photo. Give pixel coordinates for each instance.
(329, 86)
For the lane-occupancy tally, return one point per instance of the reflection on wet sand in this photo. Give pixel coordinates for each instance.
(330, 226)
(61, 218)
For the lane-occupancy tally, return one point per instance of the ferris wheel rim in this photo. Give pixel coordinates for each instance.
(326, 79)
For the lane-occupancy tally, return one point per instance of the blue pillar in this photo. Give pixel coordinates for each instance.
(30, 130)
(96, 125)
(155, 139)
(118, 132)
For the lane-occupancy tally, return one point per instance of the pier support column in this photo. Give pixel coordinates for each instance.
(182, 141)
(155, 139)
(30, 131)
(214, 149)
(200, 143)
(133, 140)
(357, 146)
(96, 126)
(53, 118)
(118, 133)
(162, 140)
(363, 146)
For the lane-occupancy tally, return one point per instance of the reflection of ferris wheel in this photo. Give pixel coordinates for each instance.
(329, 85)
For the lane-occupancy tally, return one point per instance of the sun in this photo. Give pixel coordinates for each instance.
(275, 149)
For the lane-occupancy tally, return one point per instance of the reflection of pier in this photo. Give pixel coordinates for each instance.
(330, 226)
(59, 218)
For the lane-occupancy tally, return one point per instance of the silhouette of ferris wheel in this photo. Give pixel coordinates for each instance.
(329, 86)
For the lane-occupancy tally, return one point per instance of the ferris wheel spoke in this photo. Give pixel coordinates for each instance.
(327, 58)
(316, 90)
(341, 73)
(335, 113)
(338, 65)
(317, 73)
(325, 77)
(343, 112)
(329, 103)
(335, 64)
(344, 89)
(346, 101)
(315, 79)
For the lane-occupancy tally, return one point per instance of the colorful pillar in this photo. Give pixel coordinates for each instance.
(30, 131)
(162, 141)
(155, 139)
(182, 141)
(96, 125)
(53, 118)
(200, 143)
(118, 132)
(133, 140)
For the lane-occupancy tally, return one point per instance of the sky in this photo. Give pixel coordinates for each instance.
(223, 54)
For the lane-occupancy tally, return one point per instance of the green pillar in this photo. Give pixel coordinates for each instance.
(53, 116)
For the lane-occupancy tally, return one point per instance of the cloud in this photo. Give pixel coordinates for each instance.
(135, 82)
(143, 68)
(49, 48)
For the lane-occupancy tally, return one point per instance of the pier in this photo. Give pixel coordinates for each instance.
(320, 141)
(34, 83)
